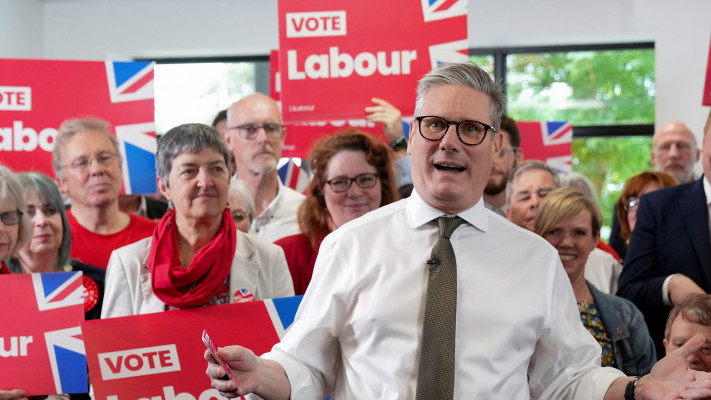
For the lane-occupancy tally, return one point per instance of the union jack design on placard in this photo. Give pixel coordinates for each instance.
(56, 290)
(452, 52)
(549, 142)
(557, 132)
(129, 81)
(137, 145)
(282, 312)
(243, 296)
(65, 348)
(434, 10)
(294, 176)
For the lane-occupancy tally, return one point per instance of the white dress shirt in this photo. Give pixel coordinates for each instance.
(278, 220)
(357, 332)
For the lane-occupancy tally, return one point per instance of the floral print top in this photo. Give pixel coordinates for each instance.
(590, 316)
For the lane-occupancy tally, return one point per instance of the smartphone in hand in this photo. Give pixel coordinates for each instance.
(213, 350)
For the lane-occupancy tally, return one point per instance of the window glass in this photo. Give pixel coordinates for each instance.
(608, 162)
(610, 87)
(196, 92)
(485, 61)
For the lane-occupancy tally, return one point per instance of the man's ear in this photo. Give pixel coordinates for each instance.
(412, 134)
(62, 184)
(498, 143)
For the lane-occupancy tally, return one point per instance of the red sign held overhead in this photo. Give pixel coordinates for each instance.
(37, 95)
(335, 57)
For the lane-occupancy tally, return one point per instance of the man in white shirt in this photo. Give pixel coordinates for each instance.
(518, 333)
(255, 135)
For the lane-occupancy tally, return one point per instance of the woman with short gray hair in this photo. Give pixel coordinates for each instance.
(196, 256)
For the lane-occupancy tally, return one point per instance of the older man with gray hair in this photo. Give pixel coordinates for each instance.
(87, 167)
(527, 185)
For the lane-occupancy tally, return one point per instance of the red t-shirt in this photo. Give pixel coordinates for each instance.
(95, 248)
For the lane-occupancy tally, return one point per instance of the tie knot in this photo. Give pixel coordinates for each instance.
(447, 225)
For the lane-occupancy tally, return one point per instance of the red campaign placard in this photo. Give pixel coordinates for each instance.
(301, 135)
(550, 142)
(37, 95)
(335, 56)
(707, 87)
(160, 356)
(41, 346)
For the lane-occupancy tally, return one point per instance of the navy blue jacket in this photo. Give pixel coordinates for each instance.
(624, 323)
(671, 236)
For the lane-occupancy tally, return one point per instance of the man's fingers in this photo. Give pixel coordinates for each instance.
(380, 102)
(691, 346)
(11, 394)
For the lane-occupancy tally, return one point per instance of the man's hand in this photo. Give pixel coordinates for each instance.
(254, 375)
(12, 394)
(672, 379)
(386, 113)
(244, 365)
(681, 286)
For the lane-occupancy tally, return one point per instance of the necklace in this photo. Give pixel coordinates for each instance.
(585, 299)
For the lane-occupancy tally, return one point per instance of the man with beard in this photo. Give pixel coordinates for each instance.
(255, 135)
(509, 157)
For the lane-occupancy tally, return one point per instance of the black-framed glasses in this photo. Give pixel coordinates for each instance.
(250, 131)
(632, 203)
(83, 163)
(10, 218)
(364, 181)
(469, 132)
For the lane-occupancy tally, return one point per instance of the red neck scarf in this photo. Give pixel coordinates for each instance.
(4, 268)
(202, 280)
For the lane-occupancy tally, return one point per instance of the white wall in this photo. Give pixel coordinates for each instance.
(124, 29)
(21, 29)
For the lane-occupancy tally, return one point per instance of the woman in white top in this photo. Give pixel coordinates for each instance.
(196, 256)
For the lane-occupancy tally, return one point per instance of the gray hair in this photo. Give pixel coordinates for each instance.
(469, 75)
(239, 189)
(48, 193)
(11, 194)
(187, 138)
(581, 183)
(523, 167)
(71, 127)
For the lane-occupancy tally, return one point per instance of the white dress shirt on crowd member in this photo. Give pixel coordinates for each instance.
(518, 335)
(279, 219)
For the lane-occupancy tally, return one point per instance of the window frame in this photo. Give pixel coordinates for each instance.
(579, 131)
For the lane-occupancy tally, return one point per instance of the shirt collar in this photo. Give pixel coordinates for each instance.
(420, 213)
(707, 190)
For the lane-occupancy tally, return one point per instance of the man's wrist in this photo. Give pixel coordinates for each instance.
(632, 389)
(399, 143)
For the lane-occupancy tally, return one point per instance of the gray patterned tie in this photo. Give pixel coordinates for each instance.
(435, 377)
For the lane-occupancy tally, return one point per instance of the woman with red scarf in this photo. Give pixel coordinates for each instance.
(196, 257)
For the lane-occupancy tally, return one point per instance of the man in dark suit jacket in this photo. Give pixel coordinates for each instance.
(669, 255)
(675, 152)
